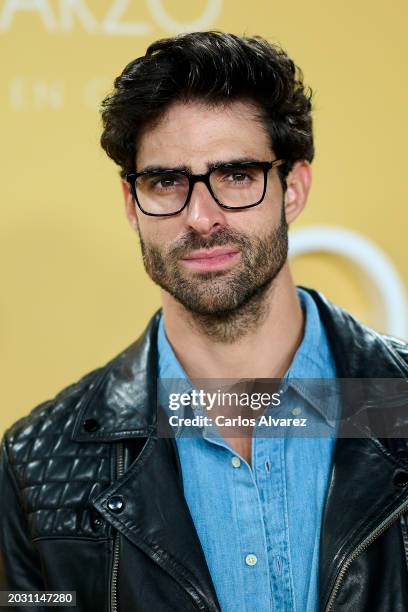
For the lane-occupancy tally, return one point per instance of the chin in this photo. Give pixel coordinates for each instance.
(217, 309)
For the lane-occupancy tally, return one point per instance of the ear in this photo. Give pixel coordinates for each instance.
(298, 183)
(130, 205)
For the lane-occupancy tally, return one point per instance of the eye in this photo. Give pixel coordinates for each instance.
(163, 182)
(238, 176)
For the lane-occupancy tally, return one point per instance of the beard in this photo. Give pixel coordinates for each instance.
(225, 303)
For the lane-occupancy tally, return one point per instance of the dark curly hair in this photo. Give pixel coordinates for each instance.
(215, 67)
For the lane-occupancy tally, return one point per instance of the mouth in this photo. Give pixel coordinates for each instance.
(210, 259)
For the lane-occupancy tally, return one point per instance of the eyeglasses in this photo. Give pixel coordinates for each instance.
(233, 186)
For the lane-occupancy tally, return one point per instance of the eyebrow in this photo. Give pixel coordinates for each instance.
(210, 165)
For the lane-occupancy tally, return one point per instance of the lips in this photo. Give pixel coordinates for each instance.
(209, 259)
(205, 254)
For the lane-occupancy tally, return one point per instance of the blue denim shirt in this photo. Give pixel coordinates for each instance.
(259, 525)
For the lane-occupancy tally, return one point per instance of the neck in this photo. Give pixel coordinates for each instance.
(258, 341)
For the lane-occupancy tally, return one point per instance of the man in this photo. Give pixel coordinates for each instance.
(213, 135)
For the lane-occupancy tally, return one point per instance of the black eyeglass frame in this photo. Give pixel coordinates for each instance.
(131, 178)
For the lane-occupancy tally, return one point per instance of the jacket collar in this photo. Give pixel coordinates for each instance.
(358, 351)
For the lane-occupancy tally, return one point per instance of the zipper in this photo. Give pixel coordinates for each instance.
(120, 468)
(364, 544)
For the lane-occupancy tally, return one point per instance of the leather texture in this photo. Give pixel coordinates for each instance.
(92, 499)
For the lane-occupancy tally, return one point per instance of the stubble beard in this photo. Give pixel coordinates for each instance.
(224, 305)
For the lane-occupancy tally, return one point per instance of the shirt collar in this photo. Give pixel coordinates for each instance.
(313, 361)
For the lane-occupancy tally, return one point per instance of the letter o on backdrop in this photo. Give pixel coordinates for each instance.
(366, 256)
(163, 19)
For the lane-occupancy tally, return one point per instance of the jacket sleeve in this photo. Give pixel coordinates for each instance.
(20, 567)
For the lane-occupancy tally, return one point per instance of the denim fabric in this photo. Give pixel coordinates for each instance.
(259, 525)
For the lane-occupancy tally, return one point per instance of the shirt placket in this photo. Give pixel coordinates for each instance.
(269, 472)
(250, 536)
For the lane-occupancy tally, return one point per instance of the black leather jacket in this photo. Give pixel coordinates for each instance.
(92, 500)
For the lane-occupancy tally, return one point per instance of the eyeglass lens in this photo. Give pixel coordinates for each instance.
(166, 192)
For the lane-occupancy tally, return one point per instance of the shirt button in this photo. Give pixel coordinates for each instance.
(236, 461)
(251, 559)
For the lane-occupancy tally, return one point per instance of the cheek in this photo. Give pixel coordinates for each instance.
(261, 218)
(160, 232)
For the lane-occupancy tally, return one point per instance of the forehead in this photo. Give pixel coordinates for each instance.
(194, 133)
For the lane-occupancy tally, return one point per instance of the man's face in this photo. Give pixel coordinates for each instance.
(210, 259)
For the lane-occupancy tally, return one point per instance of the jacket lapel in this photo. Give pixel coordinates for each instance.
(155, 517)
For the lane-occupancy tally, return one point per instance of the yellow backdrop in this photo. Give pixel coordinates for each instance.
(74, 290)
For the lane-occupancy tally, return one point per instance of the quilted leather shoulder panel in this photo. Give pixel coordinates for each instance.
(58, 478)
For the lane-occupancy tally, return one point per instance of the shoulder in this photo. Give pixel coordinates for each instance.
(49, 419)
(54, 417)
(52, 422)
(127, 374)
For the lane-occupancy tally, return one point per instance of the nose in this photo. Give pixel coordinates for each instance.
(202, 212)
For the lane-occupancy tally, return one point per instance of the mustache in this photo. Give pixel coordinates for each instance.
(193, 241)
